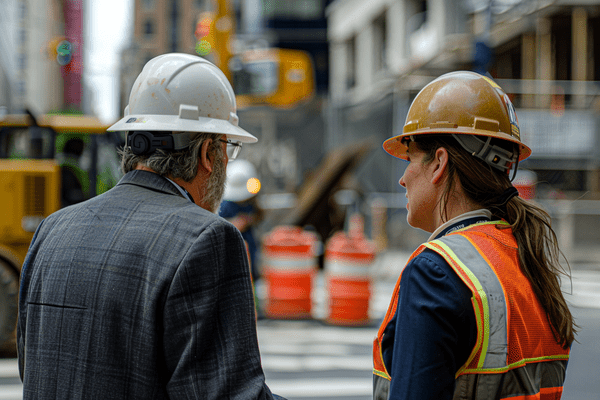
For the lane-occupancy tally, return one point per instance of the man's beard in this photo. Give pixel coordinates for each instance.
(216, 185)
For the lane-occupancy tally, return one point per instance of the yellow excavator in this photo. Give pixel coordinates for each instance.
(32, 186)
(273, 77)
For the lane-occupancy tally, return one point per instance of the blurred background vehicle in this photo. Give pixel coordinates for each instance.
(36, 181)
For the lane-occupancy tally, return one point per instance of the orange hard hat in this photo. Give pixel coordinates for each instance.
(461, 103)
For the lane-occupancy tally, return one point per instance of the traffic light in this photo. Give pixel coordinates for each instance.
(64, 52)
(61, 50)
(205, 34)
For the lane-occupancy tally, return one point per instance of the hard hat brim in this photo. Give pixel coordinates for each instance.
(172, 123)
(396, 148)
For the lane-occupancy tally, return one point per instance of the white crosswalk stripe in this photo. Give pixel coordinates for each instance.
(295, 355)
(10, 389)
(11, 392)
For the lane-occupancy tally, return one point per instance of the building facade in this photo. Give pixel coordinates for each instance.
(159, 26)
(545, 55)
(30, 76)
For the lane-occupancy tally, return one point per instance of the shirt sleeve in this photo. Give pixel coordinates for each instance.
(210, 339)
(435, 330)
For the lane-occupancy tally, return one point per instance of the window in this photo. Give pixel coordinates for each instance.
(149, 4)
(418, 10)
(148, 29)
(351, 63)
(297, 9)
(380, 42)
(173, 15)
(255, 74)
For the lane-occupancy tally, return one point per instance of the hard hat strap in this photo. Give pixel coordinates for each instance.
(146, 142)
(181, 140)
(493, 155)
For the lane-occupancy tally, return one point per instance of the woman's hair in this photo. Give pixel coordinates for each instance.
(181, 164)
(537, 243)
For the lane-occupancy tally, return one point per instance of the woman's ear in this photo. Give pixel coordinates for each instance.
(439, 165)
(205, 160)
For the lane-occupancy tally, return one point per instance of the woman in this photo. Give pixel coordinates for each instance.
(478, 313)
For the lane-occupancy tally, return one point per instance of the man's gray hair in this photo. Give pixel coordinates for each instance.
(181, 164)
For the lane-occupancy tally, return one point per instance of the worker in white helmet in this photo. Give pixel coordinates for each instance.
(144, 292)
(239, 205)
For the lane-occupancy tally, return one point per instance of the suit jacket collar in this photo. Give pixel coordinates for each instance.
(149, 180)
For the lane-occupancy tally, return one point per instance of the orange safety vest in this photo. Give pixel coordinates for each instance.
(515, 355)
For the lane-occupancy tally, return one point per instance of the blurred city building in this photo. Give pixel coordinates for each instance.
(41, 56)
(544, 54)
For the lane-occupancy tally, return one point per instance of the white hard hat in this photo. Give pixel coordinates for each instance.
(242, 181)
(179, 92)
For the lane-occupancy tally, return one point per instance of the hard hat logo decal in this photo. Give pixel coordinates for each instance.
(512, 116)
(135, 120)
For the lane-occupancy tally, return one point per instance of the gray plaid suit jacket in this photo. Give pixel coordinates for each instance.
(138, 294)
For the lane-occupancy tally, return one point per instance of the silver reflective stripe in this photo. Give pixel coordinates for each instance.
(527, 380)
(496, 355)
(347, 269)
(381, 388)
(290, 264)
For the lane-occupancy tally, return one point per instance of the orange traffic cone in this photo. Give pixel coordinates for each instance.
(289, 268)
(348, 261)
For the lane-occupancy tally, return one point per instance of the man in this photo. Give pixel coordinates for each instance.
(143, 292)
(74, 182)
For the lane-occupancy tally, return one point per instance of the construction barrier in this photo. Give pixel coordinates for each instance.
(525, 182)
(348, 260)
(289, 268)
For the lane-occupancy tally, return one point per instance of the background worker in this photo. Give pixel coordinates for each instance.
(239, 205)
(74, 181)
(143, 292)
(478, 312)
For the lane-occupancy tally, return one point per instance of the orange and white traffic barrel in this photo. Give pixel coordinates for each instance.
(525, 182)
(289, 268)
(348, 261)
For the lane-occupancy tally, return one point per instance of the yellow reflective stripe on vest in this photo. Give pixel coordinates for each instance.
(489, 298)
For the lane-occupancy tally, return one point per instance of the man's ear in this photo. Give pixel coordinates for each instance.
(439, 165)
(205, 160)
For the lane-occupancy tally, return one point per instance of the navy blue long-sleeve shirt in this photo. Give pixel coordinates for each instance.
(433, 332)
